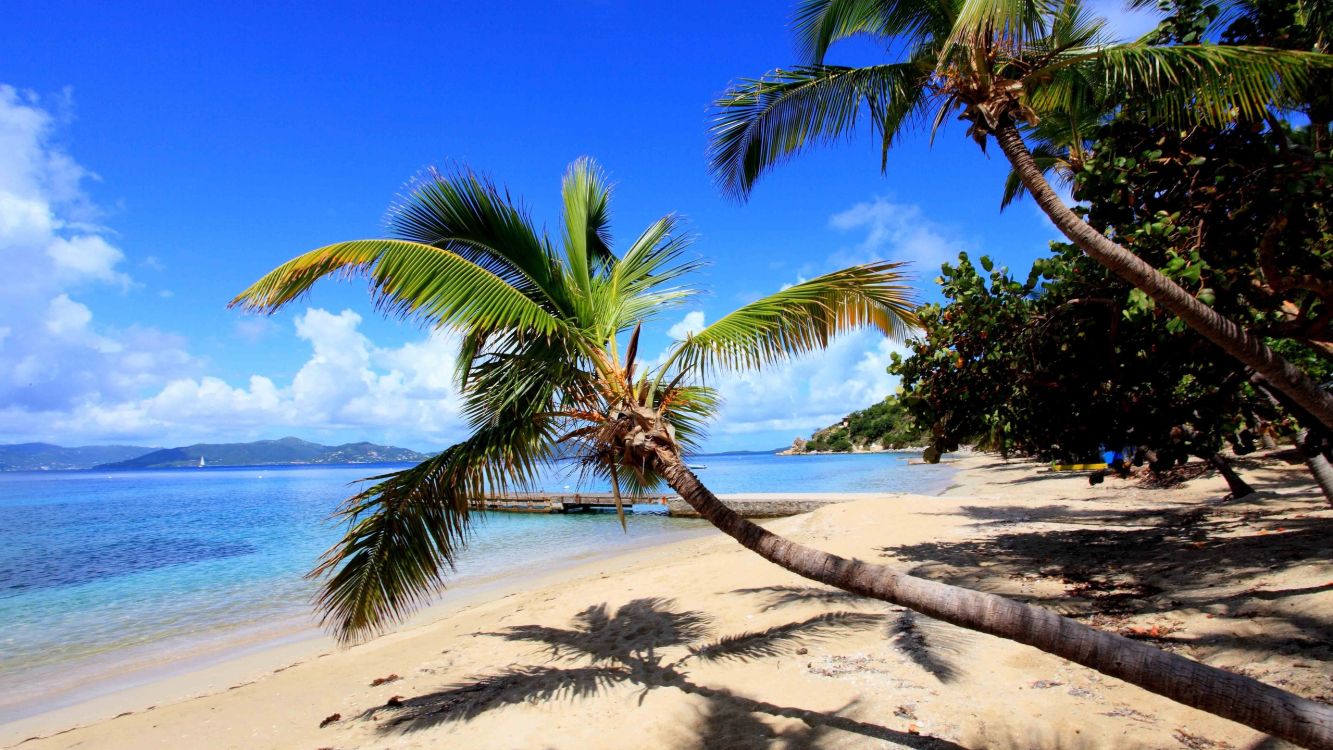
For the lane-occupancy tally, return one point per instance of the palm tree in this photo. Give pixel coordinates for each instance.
(543, 378)
(1010, 65)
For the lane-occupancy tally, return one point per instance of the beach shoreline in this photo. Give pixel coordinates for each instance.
(279, 698)
(235, 659)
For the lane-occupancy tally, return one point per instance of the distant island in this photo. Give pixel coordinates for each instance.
(48, 457)
(286, 451)
(769, 452)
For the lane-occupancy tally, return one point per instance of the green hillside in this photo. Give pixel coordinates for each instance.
(48, 457)
(884, 426)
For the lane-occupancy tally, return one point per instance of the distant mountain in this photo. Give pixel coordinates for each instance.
(44, 456)
(743, 453)
(288, 450)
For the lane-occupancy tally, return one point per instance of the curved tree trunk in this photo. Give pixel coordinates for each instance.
(1233, 339)
(1238, 486)
(1231, 696)
(1317, 459)
(1305, 441)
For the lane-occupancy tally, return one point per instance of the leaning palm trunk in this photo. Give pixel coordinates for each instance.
(1226, 694)
(1316, 457)
(1310, 445)
(1232, 339)
(1238, 486)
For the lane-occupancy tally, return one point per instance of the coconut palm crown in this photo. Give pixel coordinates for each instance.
(1031, 63)
(540, 368)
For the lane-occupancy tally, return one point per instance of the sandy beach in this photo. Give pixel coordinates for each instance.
(702, 644)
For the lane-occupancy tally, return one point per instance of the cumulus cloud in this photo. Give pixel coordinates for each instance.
(796, 397)
(64, 376)
(348, 385)
(53, 251)
(894, 231)
(693, 322)
(810, 392)
(769, 407)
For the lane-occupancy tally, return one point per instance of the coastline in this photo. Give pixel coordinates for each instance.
(235, 660)
(983, 692)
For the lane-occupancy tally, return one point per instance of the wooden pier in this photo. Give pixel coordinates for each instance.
(579, 502)
(749, 505)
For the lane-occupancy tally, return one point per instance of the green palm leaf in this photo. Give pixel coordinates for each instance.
(1192, 82)
(763, 122)
(410, 280)
(1011, 24)
(469, 216)
(643, 283)
(404, 532)
(818, 24)
(803, 318)
(586, 196)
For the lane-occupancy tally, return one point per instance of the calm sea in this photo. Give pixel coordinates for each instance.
(103, 573)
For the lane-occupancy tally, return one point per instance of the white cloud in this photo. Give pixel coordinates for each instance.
(801, 395)
(770, 407)
(87, 257)
(693, 322)
(65, 376)
(894, 231)
(348, 384)
(808, 393)
(53, 253)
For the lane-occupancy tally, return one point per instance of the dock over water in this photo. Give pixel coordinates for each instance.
(752, 505)
(578, 502)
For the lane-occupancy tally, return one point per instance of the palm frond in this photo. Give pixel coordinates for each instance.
(818, 24)
(404, 531)
(803, 318)
(468, 215)
(587, 199)
(409, 280)
(642, 283)
(1074, 24)
(1213, 83)
(688, 409)
(760, 123)
(1008, 24)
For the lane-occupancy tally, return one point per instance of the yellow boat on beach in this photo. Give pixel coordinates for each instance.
(1079, 467)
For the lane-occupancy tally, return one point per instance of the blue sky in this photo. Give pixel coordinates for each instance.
(154, 160)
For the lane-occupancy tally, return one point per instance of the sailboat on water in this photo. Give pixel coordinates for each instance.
(201, 462)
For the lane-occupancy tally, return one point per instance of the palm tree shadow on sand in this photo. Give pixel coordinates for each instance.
(932, 645)
(602, 650)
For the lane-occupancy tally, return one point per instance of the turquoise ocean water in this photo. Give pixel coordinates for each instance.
(105, 573)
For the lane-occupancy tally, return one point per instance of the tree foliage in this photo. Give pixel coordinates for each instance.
(1059, 367)
(1239, 216)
